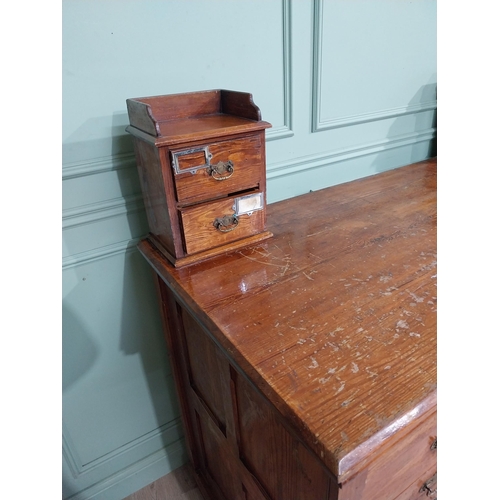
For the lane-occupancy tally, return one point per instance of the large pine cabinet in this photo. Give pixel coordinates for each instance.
(306, 364)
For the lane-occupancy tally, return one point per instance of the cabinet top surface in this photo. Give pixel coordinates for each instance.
(334, 318)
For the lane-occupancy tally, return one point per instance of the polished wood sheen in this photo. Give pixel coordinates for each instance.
(199, 230)
(306, 364)
(181, 141)
(245, 154)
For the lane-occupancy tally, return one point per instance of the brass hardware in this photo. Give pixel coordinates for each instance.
(434, 444)
(430, 487)
(226, 223)
(176, 155)
(248, 204)
(217, 171)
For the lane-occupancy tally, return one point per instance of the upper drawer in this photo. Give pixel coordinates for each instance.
(211, 171)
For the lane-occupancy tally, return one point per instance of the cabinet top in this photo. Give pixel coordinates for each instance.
(334, 318)
(177, 118)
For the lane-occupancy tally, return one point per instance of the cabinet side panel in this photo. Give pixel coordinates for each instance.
(206, 396)
(240, 448)
(153, 190)
(263, 181)
(204, 370)
(140, 117)
(239, 104)
(174, 336)
(279, 462)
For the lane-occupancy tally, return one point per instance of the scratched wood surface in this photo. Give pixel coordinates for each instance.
(334, 318)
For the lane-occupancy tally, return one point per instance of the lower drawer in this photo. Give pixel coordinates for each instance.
(210, 225)
(424, 488)
(402, 469)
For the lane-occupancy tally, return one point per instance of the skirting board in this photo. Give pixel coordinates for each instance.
(135, 477)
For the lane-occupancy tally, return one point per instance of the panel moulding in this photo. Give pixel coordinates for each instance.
(286, 129)
(172, 429)
(103, 252)
(377, 115)
(297, 165)
(319, 125)
(86, 214)
(139, 474)
(118, 162)
(98, 166)
(274, 170)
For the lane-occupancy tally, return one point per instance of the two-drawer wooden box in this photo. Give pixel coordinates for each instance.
(202, 164)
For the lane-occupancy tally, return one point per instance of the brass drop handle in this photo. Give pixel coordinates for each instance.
(226, 223)
(221, 170)
(430, 487)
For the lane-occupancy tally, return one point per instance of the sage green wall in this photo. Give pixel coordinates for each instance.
(350, 88)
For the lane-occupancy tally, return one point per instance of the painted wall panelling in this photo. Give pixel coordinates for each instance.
(121, 421)
(391, 48)
(350, 90)
(114, 368)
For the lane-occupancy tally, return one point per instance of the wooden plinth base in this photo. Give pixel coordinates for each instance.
(212, 252)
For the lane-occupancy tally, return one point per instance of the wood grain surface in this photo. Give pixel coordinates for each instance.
(191, 149)
(334, 318)
(176, 118)
(247, 155)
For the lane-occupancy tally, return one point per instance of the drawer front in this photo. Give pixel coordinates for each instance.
(402, 469)
(210, 225)
(218, 169)
(425, 488)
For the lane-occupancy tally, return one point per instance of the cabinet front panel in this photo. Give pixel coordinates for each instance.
(218, 463)
(424, 488)
(242, 450)
(200, 232)
(240, 167)
(279, 462)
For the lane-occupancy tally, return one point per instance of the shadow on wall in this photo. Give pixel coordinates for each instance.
(79, 354)
(142, 333)
(424, 123)
(90, 162)
(78, 348)
(98, 137)
(128, 177)
(141, 328)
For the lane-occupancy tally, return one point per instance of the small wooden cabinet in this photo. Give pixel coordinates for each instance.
(202, 165)
(306, 364)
